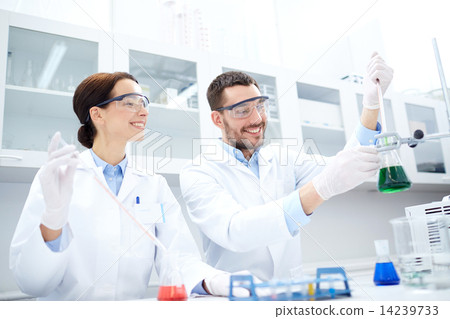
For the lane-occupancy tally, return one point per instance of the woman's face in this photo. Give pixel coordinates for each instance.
(119, 122)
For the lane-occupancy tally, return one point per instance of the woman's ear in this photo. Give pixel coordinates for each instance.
(95, 114)
(216, 117)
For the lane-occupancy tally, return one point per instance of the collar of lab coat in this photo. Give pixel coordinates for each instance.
(130, 179)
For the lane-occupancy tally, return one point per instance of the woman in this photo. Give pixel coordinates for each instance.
(73, 241)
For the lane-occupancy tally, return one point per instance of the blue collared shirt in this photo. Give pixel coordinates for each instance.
(113, 174)
(292, 207)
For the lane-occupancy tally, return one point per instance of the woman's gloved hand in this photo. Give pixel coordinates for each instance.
(348, 169)
(56, 180)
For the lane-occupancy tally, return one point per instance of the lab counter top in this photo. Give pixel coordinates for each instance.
(363, 289)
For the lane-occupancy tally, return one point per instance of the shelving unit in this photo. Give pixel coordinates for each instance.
(43, 70)
(176, 82)
(429, 156)
(321, 118)
(171, 84)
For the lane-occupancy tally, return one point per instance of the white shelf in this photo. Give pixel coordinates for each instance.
(36, 90)
(323, 126)
(24, 101)
(173, 109)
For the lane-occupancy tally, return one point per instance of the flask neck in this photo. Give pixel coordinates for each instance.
(383, 259)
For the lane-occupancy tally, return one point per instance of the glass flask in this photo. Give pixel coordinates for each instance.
(171, 285)
(385, 273)
(392, 177)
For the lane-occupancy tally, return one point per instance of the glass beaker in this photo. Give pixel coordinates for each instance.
(171, 285)
(392, 177)
(423, 249)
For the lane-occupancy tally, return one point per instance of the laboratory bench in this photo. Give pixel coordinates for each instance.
(363, 289)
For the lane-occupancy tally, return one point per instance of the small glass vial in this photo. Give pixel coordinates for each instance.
(385, 273)
(27, 78)
(10, 70)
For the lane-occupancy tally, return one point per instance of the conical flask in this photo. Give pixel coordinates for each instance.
(171, 285)
(392, 177)
(385, 273)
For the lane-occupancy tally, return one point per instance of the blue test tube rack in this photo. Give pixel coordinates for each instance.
(307, 293)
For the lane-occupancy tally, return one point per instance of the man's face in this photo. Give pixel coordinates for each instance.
(247, 133)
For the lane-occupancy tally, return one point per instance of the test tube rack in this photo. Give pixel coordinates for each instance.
(294, 289)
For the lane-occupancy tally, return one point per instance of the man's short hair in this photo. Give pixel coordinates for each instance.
(227, 79)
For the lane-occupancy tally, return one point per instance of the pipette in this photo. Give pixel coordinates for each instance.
(115, 199)
(382, 113)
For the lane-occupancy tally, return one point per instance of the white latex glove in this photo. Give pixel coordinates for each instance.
(219, 285)
(376, 70)
(57, 183)
(347, 170)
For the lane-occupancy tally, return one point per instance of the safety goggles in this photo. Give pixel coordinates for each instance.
(245, 108)
(133, 102)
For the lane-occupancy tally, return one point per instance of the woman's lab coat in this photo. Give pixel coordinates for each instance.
(241, 217)
(105, 256)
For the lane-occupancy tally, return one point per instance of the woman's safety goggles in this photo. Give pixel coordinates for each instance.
(133, 102)
(245, 108)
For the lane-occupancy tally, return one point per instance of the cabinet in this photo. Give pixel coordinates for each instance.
(42, 72)
(321, 117)
(43, 65)
(429, 156)
(172, 87)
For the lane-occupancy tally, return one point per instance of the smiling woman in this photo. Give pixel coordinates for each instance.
(72, 230)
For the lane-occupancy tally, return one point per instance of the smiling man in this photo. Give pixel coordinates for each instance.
(248, 202)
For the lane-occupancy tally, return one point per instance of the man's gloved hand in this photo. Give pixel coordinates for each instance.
(219, 285)
(57, 183)
(347, 170)
(376, 70)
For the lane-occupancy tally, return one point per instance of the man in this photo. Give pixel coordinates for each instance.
(248, 202)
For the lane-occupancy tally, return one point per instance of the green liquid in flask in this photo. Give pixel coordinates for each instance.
(393, 179)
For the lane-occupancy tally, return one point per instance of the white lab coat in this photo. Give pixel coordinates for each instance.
(241, 217)
(108, 257)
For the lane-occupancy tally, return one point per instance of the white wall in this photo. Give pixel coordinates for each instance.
(346, 226)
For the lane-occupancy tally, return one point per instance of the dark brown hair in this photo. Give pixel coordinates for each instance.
(227, 79)
(94, 90)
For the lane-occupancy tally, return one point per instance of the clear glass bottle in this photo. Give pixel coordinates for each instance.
(10, 70)
(27, 78)
(392, 177)
(385, 273)
(171, 285)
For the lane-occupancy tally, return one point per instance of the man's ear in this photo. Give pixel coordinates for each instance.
(216, 117)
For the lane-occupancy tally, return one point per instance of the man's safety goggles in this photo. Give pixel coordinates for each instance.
(245, 108)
